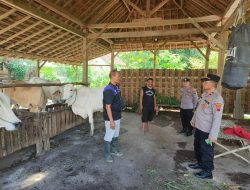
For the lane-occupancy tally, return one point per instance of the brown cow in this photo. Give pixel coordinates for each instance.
(32, 98)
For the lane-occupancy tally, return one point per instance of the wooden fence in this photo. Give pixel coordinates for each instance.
(37, 128)
(168, 83)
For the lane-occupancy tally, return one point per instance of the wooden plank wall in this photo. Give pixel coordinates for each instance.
(168, 83)
(36, 127)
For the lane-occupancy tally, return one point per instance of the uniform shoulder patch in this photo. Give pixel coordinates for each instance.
(218, 106)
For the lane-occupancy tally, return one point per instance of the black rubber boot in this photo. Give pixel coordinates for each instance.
(107, 148)
(115, 148)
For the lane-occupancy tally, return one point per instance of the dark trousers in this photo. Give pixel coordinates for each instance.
(204, 152)
(186, 117)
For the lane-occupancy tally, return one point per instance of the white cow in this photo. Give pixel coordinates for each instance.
(50, 92)
(84, 101)
(8, 119)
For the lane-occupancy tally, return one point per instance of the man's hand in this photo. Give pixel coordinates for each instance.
(112, 124)
(155, 108)
(192, 123)
(212, 139)
(141, 107)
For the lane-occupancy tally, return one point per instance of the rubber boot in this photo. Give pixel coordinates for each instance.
(115, 148)
(107, 148)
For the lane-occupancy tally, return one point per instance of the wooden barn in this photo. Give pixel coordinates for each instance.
(75, 31)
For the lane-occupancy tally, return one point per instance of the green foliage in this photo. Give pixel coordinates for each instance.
(166, 59)
(98, 76)
(172, 101)
(18, 68)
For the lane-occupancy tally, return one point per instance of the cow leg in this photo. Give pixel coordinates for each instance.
(91, 122)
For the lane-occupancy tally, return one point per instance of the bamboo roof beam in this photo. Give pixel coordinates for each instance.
(29, 37)
(26, 8)
(101, 13)
(47, 42)
(61, 48)
(153, 22)
(20, 32)
(14, 24)
(205, 7)
(155, 33)
(52, 46)
(209, 36)
(7, 14)
(139, 10)
(160, 5)
(126, 5)
(60, 11)
(39, 39)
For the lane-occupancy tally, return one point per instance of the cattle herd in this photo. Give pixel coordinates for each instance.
(84, 101)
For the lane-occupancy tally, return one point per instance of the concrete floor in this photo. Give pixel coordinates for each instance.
(150, 161)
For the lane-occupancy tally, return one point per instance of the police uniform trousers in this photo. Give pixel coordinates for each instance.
(186, 116)
(204, 152)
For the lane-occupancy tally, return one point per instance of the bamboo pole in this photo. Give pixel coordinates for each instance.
(207, 58)
(84, 61)
(112, 65)
(221, 57)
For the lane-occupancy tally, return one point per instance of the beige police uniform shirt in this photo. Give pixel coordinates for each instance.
(189, 98)
(208, 114)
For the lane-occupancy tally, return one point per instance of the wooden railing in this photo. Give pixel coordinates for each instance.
(38, 128)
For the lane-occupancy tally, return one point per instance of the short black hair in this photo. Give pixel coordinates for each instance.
(150, 79)
(113, 72)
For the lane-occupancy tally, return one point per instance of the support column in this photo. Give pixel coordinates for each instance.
(112, 64)
(207, 59)
(84, 61)
(221, 57)
(154, 69)
(76, 72)
(239, 105)
(38, 68)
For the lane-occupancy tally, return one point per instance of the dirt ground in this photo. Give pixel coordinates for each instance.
(155, 160)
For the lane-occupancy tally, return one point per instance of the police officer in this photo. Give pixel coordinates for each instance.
(189, 99)
(112, 107)
(207, 121)
(147, 104)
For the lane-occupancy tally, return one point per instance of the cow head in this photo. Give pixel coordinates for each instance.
(67, 92)
(7, 117)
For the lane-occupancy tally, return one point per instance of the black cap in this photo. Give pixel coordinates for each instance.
(211, 77)
(186, 79)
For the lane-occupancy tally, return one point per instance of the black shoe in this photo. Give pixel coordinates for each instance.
(195, 166)
(204, 175)
(182, 131)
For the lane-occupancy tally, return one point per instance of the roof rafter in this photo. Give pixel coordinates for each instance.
(154, 33)
(60, 11)
(160, 5)
(26, 8)
(20, 32)
(7, 14)
(14, 24)
(29, 37)
(152, 22)
(143, 13)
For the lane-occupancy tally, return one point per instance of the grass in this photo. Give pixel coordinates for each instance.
(184, 181)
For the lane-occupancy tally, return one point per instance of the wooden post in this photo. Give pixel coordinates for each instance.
(207, 59)
(76, 72)
(239, 105)
(112, 58)
(221, 58)
(38, 68)
(154, 70)
(84, 61)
